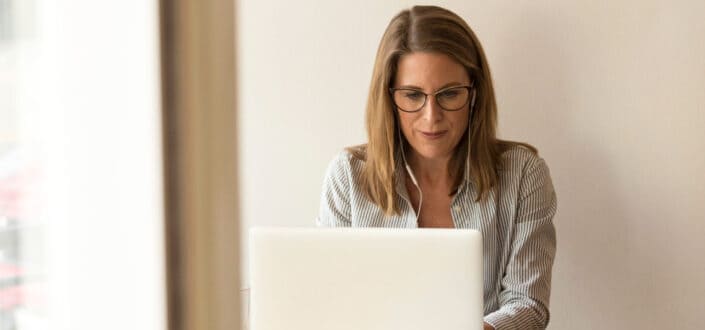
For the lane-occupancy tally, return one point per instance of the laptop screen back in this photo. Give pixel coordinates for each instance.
(372, 279)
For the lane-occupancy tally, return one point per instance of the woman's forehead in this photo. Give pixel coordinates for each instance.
(428, 70)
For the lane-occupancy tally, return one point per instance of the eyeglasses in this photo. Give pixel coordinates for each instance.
(449, 99)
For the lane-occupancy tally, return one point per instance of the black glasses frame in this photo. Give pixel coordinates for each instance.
(470, 89)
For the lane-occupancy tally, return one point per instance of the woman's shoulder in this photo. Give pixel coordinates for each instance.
(520, 158)
(347, 162)
(527, 177)
(357, 152)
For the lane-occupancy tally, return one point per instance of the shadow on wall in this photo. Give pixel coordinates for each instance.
(600, 275)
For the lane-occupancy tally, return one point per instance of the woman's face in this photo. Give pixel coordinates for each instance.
(432, 132)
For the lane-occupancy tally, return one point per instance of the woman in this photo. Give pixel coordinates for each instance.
(433, 160)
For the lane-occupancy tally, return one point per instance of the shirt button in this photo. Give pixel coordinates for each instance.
(456, 208)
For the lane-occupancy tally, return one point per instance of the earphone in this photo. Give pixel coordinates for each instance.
(472, 103)
(411, 174)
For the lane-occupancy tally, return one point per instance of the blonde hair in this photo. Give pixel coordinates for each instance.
(429, 29)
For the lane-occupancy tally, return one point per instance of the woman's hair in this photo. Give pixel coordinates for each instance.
(429, 29)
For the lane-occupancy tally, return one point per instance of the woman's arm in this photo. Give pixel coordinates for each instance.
(527, 278)
(334, 210)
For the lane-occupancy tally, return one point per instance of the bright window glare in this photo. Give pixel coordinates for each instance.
(81, 206)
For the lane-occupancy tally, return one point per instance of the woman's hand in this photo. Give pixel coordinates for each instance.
(488, 327)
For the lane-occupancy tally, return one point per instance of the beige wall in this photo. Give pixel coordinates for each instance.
(612, 94)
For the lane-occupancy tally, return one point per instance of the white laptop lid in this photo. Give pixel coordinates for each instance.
(372, 279)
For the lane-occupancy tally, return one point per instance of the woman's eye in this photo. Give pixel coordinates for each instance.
(449, 94)
(412, 95)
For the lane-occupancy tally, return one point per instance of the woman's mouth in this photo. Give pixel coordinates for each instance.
(434, 135)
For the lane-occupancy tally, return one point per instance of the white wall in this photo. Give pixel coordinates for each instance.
(612, 94)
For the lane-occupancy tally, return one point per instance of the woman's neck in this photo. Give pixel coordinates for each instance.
(430, 171)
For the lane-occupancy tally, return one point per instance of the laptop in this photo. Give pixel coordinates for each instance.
(365, 278)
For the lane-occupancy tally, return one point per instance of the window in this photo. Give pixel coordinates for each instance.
(81, 205)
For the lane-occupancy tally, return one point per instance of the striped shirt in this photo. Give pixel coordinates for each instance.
(516, 222)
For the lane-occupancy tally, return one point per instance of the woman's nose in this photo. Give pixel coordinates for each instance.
(431, 111)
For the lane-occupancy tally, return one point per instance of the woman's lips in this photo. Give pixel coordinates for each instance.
(434, 135)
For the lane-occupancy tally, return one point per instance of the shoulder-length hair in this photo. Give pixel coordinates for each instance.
(429, 29)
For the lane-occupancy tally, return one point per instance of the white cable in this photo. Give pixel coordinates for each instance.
(411, 174)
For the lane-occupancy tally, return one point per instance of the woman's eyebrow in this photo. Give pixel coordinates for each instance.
(450, 84)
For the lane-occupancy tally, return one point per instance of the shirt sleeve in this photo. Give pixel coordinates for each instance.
(334, 209)
(526, 283)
